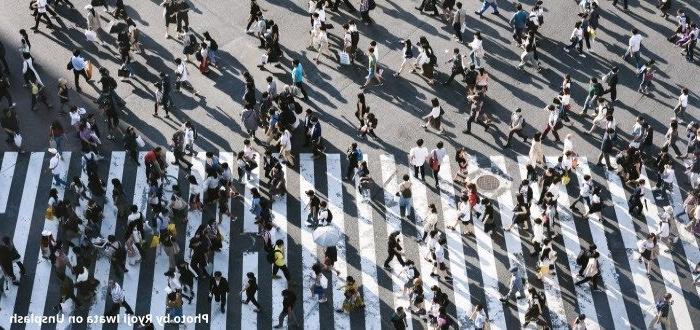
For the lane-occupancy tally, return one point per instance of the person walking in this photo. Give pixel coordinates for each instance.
(40, 10)
(663, 308)
(518, 22)
(373, 71)
(459, 18)
(78, 64)
(434, 118)
(218, 289)
(405, 195)
(457, 67)
(516, 126)
(591, 271)
(118, 299)
(515, 285)
(182, 78)
(56, 166)
(394, 249)
(288, 301)
(595, 91)
(279, 261)
(250, 288)
(485, 5)
(553, 123)
(298, 77)
(679, 109)
(634, 47)
(417, 157)
(436, 158)
(5, 90)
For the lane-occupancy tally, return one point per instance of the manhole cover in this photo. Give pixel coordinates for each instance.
(487, 182)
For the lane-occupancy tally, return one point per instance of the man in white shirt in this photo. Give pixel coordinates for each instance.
(118, 299)
(41, 7)
(682, 103)
(56, 166)
(182, 77)
(516, 126)
(552, 123)
(285, 142)
(417, 156)
(585, 192)
(78, 65)
(634, 46)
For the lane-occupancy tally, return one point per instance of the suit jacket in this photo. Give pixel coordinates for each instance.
(218, 289)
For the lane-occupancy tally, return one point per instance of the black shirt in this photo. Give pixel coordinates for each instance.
(289, 300)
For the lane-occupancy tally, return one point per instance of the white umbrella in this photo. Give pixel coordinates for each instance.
(327, 236)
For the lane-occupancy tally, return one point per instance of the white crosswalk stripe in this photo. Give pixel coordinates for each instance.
(552, 289)
(370, 221)
(7, 172)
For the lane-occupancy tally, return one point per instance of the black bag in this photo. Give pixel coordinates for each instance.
(97, 3)
(123, 72)
(69, 66)
(371, 5)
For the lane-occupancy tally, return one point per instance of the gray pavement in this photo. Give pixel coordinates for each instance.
(398, 104)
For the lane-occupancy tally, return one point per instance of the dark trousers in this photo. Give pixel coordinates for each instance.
(38, 17)
(624, 3)
(426, 3)
(472, 118)
(284, 269)
(605, 155)
(458, 31)
(419, 169)
(519, 132)
(365, 17)
(76, 75)
(180, 158)
(301, 88)
(250, 297)
(199, 265)
(436, 176)
(613, 92)
(251, 20)
(116, 306)
(393, 254)
(576, 43)
(6, 94)
(346, 2)
(221, 298)
(453, 74)
(690, 51)
(518, 35)
(673, 146)
(553, 130)
(593, 280)
(350, 170)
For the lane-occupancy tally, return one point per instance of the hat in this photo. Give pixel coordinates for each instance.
(310, 193)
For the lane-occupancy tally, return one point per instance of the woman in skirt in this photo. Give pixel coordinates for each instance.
(648, 251)
(195, 194)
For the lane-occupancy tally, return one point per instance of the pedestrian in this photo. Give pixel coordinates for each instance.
(4, 90)
(682, 105)
(611, 80)
(298, 77)
(515, 285)
(373, 70)
(663, 308)
(118, 299)
(478, 317)
(57, 168)
(591, 271)
(634, 46)
(646, 72)
(485, 5)
(553, 123)
(434, 118)
(40, 8)
(405, 195)
(459, 18)
(576, 40)
(477, 51)
(456, 62)
(319, 283)
(648, 251)
(595, 91)
(394, 249)
(182, 78)
(288, 301)
(435, 161)
(78, 64)
(218, 289)
(417, 157)
(398, 319)
(518, 22)
(517, 122)
(407, 52)
(529, 54)
(250, 288)
(279, 261)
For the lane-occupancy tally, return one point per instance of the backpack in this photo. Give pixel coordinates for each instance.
(661, 304)
(358, 154)
(371, 5)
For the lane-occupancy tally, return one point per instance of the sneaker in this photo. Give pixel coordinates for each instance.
(566, 49)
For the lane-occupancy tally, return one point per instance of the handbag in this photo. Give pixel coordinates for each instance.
(90, 35)
(172, 230)
(155, 241)
(140, 142)
(18, 140)
(565, 179)
(88, 70)
(344, 58)
(434, 164)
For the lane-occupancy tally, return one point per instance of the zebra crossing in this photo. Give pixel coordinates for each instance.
(626, 300)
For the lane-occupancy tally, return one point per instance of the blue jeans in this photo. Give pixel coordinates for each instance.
(587, 102)
(59, 143)
(488, 4)
(59, 181)
(213, 55)
(637, 59)
(405, 206)
(475, 59)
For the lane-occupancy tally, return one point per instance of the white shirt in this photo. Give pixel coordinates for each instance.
(41, 6)
(635, 42)
(117, 293)
(577, 33)
(56, 165)
(435, 112)
(683, 100)
(585, 189)
(439, 254)
(285, 140)
(478, 46)
(182, 73)
(568, 145)
(480, 319)
(417, 155)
